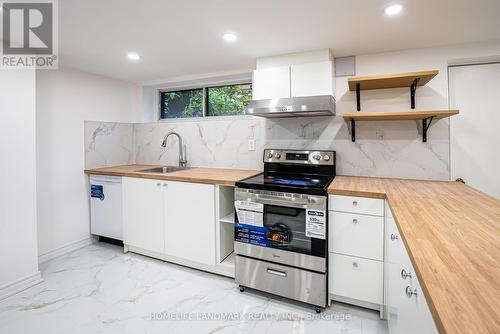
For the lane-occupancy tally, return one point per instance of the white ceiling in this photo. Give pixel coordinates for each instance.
(182, 37)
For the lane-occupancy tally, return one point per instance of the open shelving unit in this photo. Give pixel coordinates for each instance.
(229, 219)
(225, 229)
(408, 79)
(426, 116)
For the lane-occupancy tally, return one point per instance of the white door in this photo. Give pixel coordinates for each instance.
(190, 221)
(271, 83)
(474, 132)
(143, 216)
(312, 79)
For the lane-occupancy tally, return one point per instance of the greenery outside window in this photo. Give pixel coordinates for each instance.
(182, 103)
(228, 100)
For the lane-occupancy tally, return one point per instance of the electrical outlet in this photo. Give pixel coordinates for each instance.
(251, 144)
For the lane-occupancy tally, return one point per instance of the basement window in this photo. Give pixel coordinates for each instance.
(227, 100)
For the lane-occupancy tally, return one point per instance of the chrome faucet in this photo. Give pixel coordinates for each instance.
(182, 149)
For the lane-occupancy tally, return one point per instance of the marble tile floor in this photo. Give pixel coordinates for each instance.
(98, 289)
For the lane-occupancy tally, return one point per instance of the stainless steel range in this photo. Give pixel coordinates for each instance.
(281, 226)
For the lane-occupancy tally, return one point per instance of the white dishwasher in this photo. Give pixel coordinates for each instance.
(106, 206)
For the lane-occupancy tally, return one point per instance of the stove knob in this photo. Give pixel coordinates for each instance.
(326, 157)
(269, 155)
(278, 156)
(317, 157)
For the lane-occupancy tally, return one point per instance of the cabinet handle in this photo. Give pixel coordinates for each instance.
(405, 274)
(158, 184)
(354, 203)
(410, 291)
(394, 237)
(165, 184)
(276, 272)
(355, 221)
(355, 264)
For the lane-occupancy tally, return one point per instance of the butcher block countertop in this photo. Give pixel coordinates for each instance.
(452, 235)
(221, 176)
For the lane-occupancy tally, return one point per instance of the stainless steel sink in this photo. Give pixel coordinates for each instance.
(163, 169)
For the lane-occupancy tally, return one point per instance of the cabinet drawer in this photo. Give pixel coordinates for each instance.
(356, 278)
(363, 205)
(357, 235)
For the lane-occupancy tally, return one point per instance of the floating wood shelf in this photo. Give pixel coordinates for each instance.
(426, 116)
(409, 79)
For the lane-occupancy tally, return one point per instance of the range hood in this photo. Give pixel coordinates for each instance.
(321, 105)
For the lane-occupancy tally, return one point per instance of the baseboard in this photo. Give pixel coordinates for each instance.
(20, 285)
(64, 249)
(361, 303)
(219, 270)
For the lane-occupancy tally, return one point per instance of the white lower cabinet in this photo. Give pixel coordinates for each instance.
(356, 278)
(369, 264)
(356, 250)
(143, 214)
(173, 219)
(190, 221)
(407, 309)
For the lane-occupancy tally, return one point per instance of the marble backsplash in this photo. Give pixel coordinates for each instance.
(388, 149)
(108, 144)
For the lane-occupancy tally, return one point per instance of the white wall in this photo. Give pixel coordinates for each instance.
(65, 99)
(18, 240)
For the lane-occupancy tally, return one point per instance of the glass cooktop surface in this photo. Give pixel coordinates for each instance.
(289, 181)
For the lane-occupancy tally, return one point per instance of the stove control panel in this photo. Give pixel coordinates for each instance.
(300, 157)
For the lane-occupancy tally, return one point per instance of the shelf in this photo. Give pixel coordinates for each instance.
(228, 219)
(426, 116)
(397, 116)
(409, 79)
(391, 80)
(228, 261)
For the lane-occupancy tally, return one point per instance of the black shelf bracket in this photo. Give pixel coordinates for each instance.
(425, 127)
(358, 96)
(413, 89)
(353, 130)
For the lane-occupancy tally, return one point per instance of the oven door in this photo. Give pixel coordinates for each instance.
(288, 223)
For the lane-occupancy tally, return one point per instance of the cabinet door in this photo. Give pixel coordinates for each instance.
(312, 79)
(190, 221)
(357, 235)
(407, 313)
(271, 83)
(143, 213)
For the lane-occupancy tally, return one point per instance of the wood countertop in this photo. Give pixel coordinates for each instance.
(222, 176)
(452, 235)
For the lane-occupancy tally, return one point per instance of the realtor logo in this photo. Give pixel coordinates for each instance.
(29, 34)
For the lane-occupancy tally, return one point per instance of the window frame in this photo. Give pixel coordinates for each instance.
(204, 113)
(162, 97)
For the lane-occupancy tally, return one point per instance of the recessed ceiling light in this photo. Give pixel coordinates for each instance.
(393, 9)
(229, 37)
(133, 56)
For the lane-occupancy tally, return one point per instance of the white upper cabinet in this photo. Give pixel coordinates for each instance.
(308, 79)
(312, 79)
(271, 83)
(143, 216)
(190, 221)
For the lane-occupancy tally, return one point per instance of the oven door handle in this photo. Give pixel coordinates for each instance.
(276, 272)
(277, 202)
